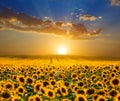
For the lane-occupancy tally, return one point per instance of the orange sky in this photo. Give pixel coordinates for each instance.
(22, 43)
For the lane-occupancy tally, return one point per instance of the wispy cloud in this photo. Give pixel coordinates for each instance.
(89, 17)
(115, 2)
(22, 22)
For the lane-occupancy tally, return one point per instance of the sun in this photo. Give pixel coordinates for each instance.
(62, 50)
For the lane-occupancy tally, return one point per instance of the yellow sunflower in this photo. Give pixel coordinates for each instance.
(37, 98)
(101, 98)
(9, 86)
(43, 90)
(80, 91)
(113, 93)
(53, 82)
(5, 95)
(31, 98)
(117, 98)
(29, 81)
(37, 87)
(66, 99)
(21, 79)
(64, 90)
(94, 97)
(114, 82)
(50, 93)
(45, 83)
(16, 98)
(21, 90)
(80, 98)
(90, 91)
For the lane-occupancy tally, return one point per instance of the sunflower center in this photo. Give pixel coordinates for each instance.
(80, 84)
(22, 80)
(90, 91)
(95, 97)
(63, 90)
(20, 90)
(101, 99)
(42, 91)
(8, 86)
(37, 99)
(50, 93)
(113, 93)
(119, 98)
(80, 92)
(81, 99)
(38, 87)
(115, 81)
(29, 81)
(6, 95)
(53, 83)
(101, 93)
(45, 84)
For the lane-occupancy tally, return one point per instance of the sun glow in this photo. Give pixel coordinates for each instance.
(62, 50)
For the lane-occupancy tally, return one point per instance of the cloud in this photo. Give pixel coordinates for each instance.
(22, 22)
(89, 17)
(115, 2)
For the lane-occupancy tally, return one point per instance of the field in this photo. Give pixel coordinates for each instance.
(59, 78)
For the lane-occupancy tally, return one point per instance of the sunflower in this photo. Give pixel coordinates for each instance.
(45, 83)
(63, 90)
(113, 93)
(93, 78)
(80, 84)
(50, 93)
(35, 76)
(21, 90)
(73, 76)
(38, 72)
(101, 92)
(80, 91)
(16, 98)
(60, 76)
(42, 90)
(21, 79)
(75, 88)
(99, 84)
(31, 98)
(90, 91)
(117, 98)
(5, 95)
(9, 76)
(14, 77)
(52, 82)
(9, 85)
(117, 67)
(80, 98)
(67, 84)
(58, 92)
(66, 99)
(114, 82)
(94, 97)
(37, 87)
(101, 98)
(37, 98)
(113, 75)
(29, 81)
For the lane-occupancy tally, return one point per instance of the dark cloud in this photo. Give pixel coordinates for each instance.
(22, 22)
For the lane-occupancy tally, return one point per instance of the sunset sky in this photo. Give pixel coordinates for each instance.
(41, 27)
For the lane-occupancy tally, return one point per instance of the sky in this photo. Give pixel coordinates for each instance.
(41, 27)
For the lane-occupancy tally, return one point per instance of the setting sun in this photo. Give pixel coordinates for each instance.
(62, 51)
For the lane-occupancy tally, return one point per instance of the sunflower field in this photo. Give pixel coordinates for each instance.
(50, 82)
